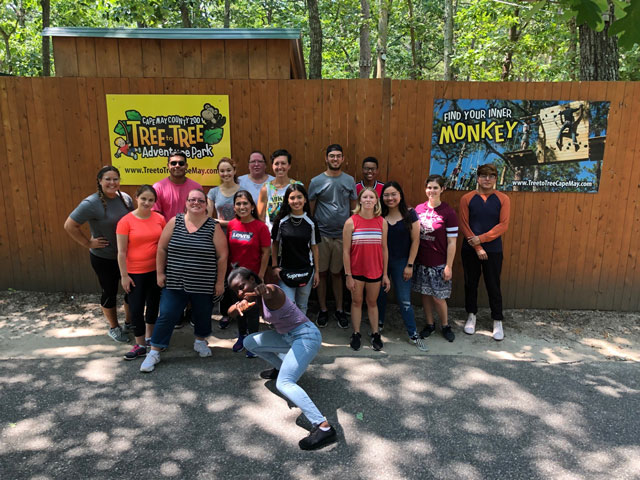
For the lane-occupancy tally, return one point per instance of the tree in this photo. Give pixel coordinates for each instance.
(599, 57)
(383, 36)
(448, 38)
(365, 45)
(315, 40)
(227, 14)
(46, 49)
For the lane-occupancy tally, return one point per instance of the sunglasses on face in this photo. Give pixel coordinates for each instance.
(196, 200)
(177, 163)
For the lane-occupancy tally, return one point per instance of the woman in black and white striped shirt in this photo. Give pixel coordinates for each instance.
(191, 252)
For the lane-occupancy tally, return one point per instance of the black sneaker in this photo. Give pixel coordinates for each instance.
(355, 342)
(380, 326)
(318, 438)
(376, 342)
(428, 330)
(448, 333)
(270, 374)
(343, 321)
(323, 319)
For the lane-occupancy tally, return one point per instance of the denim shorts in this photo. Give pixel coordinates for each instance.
(429, 281)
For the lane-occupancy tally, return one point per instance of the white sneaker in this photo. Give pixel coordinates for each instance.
(498, 334)
(470, 326)
(150, 361)
(202, 348)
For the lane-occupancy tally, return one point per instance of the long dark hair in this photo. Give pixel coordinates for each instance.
(285, 208)
(247, 195)
(101, 172)
(402, 205)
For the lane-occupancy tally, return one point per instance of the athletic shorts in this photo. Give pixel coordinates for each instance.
(362, 278)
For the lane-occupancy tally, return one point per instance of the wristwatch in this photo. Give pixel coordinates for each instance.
(410, 265)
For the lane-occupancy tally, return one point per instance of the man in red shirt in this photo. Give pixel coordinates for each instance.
(370, 176)
(173, 190)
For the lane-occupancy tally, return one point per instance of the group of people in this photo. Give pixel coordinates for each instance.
(258, 244)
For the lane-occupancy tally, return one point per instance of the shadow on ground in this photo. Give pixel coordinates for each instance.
(410, 417)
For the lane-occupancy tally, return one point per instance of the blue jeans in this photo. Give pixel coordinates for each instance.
(172, 304)
(291, 353)
(403, 295)
(300, 295)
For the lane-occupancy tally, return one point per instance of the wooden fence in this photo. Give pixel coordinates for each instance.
(562, 250)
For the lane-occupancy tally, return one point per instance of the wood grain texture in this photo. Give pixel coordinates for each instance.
(562, 250)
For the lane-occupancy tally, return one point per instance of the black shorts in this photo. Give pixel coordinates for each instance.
(362, 278)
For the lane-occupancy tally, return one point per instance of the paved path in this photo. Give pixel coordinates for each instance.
(398, 416)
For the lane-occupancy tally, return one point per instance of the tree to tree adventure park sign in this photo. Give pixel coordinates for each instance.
(537, 145)
(144, 129)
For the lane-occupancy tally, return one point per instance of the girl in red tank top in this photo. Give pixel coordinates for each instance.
(365, 262)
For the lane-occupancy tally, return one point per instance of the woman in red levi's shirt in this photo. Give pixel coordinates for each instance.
(249, 247)
(137, 234)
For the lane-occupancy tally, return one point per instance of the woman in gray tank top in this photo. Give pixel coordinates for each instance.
(289, 348)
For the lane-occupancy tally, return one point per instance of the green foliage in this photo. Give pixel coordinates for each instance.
(133, 115)
(627, 25)
(482, 41)
(481, 37)
(213, 136)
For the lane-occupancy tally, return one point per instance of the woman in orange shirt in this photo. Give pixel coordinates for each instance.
(138, 233)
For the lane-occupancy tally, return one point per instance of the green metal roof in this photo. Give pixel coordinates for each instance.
(176, 33)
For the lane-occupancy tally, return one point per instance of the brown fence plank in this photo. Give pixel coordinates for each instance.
(8, 243)
(614, 185)
(236, 59)
(192, 58)
(131, 60)
(213, 59)
(628, 266)
(257, 59)
(151, 57)
(29, 254)
(172, 59)
(65, 56)
(107, 57)
(313, 127)
(296, 126)
(278, 59)
(86, 50)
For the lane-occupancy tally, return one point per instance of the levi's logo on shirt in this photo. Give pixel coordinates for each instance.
(242, 236)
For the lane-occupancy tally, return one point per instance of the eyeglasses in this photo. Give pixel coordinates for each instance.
(369, 169)
(334, 157)
(254, 162)
(196, 200)
(177, 163)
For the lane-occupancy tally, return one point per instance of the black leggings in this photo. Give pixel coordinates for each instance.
(490, 269)
(146, 292)
(249, 321)
(109, 278)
